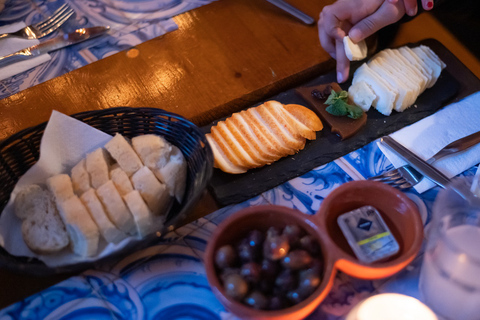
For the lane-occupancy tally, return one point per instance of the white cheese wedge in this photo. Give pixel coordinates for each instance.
(362, 95)
(355, 51)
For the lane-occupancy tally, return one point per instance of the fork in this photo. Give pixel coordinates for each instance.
(43, 28)
(406, 177)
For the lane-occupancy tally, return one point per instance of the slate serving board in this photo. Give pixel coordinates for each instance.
(455, 82)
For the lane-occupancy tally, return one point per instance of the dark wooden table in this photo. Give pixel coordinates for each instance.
(224, 57)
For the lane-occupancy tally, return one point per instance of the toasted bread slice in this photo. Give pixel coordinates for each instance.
(259, 142)
(280, 130)
(107, 229)
(299, 127)
(121, 150)
(115, 208)
(221, 161)
(305, 116)
(82, 231)
(235, 146)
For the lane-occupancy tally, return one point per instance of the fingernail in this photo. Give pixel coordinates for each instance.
(339, 77)
(412, 12)
(430, 4)
(355, 34)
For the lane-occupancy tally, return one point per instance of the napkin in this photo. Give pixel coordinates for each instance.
(429, 135)
(10, 45)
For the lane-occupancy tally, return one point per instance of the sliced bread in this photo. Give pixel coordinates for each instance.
(80, 178)
(98, 167)
(81, 229)
(141, 213)
(121, 181)
(61, 187)
(121, 150)
(107, 229)
(154, 192)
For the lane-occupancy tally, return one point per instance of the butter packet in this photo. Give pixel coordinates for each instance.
(368, 235)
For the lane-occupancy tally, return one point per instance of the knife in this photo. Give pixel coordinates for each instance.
(423, 167)
(293, 11)
(56, 43)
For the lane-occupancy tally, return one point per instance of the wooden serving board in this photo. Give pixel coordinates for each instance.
(455, 83)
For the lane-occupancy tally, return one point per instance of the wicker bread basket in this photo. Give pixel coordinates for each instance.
(21, 151)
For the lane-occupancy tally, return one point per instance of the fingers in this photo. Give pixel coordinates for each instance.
(343, 64)
(330, 30)
(411, 7)
(387, 14)
(427, 4)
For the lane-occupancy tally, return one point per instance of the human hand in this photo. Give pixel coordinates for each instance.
(357, 18)
(411, 6)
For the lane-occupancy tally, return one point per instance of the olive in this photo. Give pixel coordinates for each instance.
(251, 272)
(273, 231)
(275, 247)
(286, 280)
(228, 271)
(294, 296)
(308, 281)
(293, 233)
(310, 244)
(225, 257)
(297, 259)
(235, 286)
(256, 300)
(247, 253)
(255, 239)
(270, 269)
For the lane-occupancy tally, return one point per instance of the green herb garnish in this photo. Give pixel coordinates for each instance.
(338, 105)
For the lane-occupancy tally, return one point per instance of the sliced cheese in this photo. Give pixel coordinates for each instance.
(355, 51)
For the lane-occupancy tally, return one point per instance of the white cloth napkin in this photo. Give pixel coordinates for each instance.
(429, 135)
(11, 45)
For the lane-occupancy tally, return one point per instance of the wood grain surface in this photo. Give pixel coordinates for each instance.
(224, 57)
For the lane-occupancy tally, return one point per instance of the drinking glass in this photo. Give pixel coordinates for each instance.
(450, 274)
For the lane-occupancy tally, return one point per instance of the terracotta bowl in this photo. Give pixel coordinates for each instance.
(398, 211)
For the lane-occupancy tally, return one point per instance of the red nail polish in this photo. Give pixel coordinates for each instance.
(430, 4)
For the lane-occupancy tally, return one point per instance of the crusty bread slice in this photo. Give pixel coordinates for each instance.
(173, 174)
(121, 150)
(233, 144)
(98, 166)
(121, 181)
(229, 152)
(248, 143)
(221, 161)
(152, 149)
(261, 127)
(42, 228)
(116, 209)
(362, 95)
(278, 129)
(105, 226)
(305, 116)
(61, 187)
(259, 141)
(80, 178)
(277, 109)
(28, 199)
(82, 231)
(141, 213)
(154, 192)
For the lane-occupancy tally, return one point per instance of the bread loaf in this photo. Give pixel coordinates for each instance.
(42, 228)
(260, 135)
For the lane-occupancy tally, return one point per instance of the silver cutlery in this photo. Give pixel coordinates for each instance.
(426, 169)
(293, 11)
(56, 43)
(406, 177)
(45, 27)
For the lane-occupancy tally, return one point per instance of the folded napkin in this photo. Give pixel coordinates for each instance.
(10, 45)
(429, 135)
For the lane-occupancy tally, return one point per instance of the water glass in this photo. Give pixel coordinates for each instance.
(450, 274)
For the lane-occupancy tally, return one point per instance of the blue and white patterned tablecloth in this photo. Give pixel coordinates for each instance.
(168, 281)
(132, 22)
